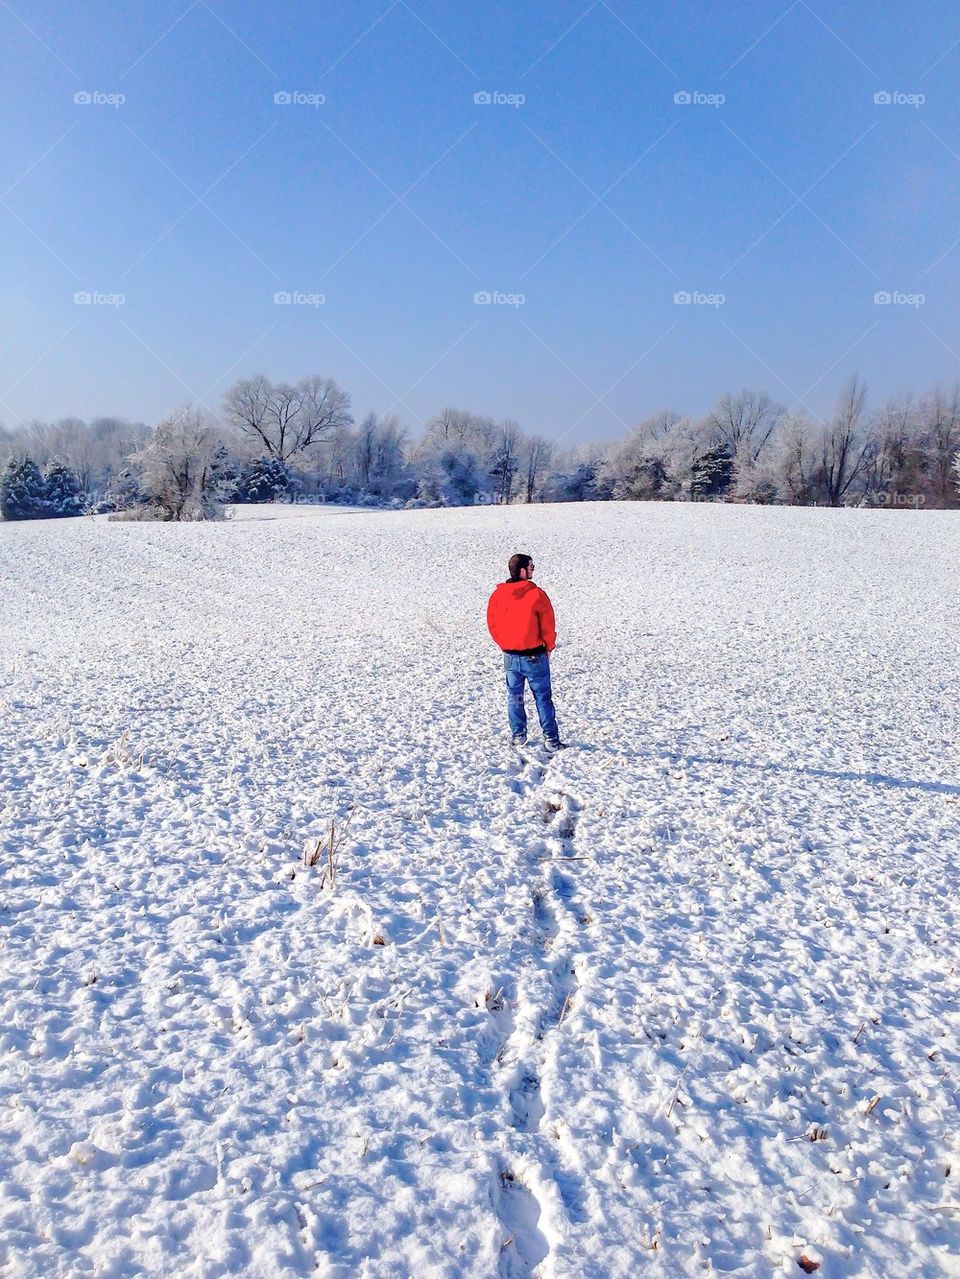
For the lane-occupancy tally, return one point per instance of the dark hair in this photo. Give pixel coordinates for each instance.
(518, 562)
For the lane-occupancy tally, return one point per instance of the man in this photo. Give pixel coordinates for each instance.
(520, 619)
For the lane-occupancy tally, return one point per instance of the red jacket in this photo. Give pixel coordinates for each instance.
(520, 617)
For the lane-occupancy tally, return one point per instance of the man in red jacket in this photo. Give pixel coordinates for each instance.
(520, 619)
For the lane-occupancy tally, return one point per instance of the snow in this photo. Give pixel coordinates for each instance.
(682, 999)
(291, 511)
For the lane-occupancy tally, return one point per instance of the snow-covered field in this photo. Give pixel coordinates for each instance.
(682, 999)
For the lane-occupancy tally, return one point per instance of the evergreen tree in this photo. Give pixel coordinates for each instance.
(584, 483)
(712, 474)
(458, 479)
(266, 479)
(124, 492)
(22, 490)
(62, 494)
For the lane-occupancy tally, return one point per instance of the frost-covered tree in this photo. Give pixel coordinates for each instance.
(745, 449)
(461, 429)
(22, 490)
(754, 479)
(365, 449)
(635, 468)
(536, 455)
(62, 493)
(184, 469)
(110, 445)
(744, 424)
(264, 479)
(896, 464)
(71, 441)
(331, 460)
(455, 458)
(847, 445)
(684, 445)
(577, 476)
(390, 470)
(504, 461)
(796, 462)
(287, 421)
(455, 478)
(94, 453)
(379, 463)
(940, 432)
(738, 431)
(123, 491)
(712, 474)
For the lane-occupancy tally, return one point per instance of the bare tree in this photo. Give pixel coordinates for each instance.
(576, 474)
(797, 468)
(505, 462)
(940, 416)
(333, 458)
(537, 455)
(95, 453)
(846, 445)
(745, 423)
(287, 420)
(754, 480)
(378, 454)
(685, 449)
(389, 460)
(456, 457)
(463, 431)
(663, 425)
(634, 468)
(459, 428)
(365, 449)
(897, 463)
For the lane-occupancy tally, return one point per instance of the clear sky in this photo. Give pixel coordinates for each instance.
(597, 198)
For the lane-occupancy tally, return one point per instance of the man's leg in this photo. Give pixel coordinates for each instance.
(516, 711)
(537, 670)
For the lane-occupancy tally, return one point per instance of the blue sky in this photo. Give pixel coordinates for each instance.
(596, 199)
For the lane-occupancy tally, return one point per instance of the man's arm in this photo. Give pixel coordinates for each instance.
(492, 620)
(548, 625)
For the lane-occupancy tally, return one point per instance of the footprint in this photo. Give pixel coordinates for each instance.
(524, 1246)
(526, 1101)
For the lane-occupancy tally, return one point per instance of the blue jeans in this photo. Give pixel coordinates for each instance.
(534, 671)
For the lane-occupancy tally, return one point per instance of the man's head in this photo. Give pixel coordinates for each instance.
(521, 568)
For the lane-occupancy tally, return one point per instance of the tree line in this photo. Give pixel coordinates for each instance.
(283, 441)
